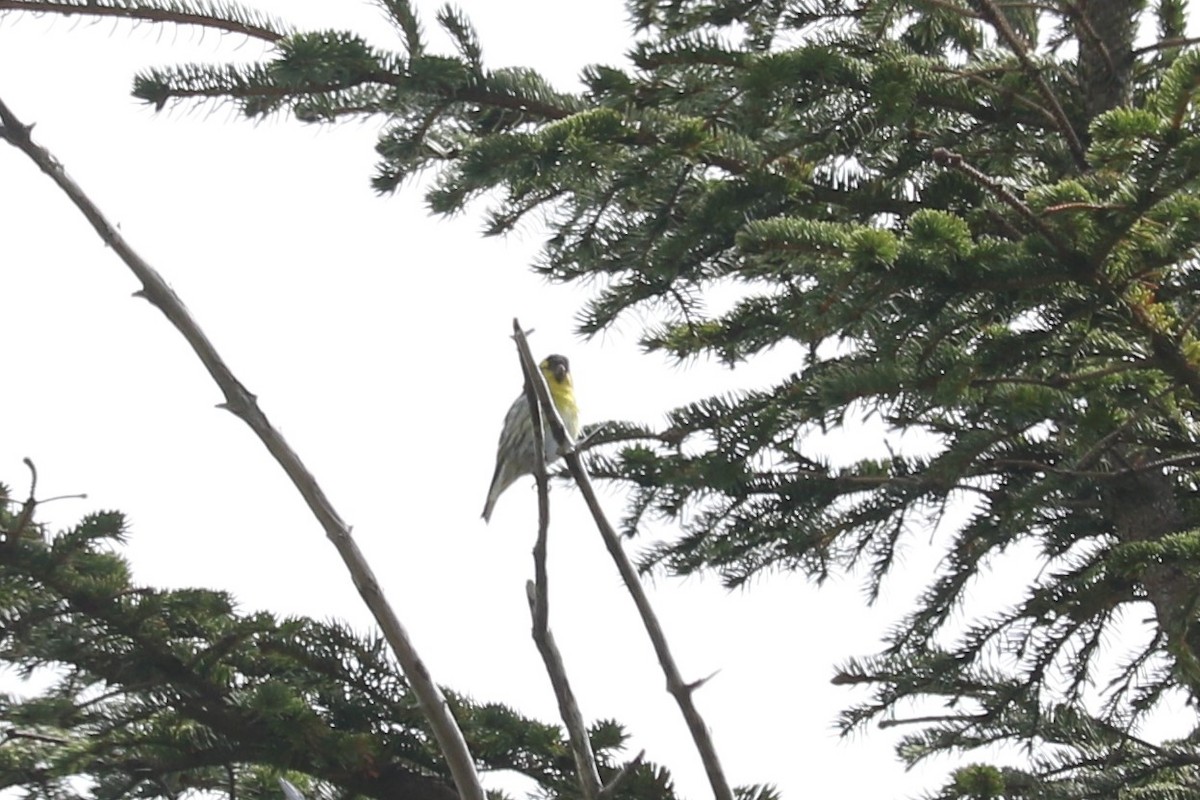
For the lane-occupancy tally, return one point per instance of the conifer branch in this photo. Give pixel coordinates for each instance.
(1182, 460)
(222, 18)
(1167, 348)
(243, 404)
(1000, 24)
(1096, 450)
(13, 733)
(538, 590)
(676, 686)
(1166, 44)
(1010, 94)
(948, 158)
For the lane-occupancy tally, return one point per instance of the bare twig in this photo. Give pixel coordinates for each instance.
(538, 591)
(676, 686)
(26, 516)
(541, 602)
(243, 404)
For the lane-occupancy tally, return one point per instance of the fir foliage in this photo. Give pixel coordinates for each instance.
(155, 694)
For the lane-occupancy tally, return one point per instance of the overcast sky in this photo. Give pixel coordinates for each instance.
(376, 338)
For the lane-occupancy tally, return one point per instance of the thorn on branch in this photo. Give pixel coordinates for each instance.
(694, 685)
(14, 132)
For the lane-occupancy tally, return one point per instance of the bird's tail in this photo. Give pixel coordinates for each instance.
(499, 484)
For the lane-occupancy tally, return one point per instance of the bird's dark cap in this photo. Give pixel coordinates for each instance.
(558, 366)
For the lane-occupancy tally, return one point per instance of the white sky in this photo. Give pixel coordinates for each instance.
(376, 338)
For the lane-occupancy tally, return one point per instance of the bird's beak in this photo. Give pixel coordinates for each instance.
(560, 372)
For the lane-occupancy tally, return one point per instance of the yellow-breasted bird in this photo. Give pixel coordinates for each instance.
(514, 456)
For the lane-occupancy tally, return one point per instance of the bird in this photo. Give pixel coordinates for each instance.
(514, 455)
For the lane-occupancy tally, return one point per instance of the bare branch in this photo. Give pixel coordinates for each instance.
(677, 687)
(538, 591)
(541, 602)
(243, 404)
(568, 708)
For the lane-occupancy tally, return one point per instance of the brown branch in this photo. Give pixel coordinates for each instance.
(1059, 381)
(948, 158)
(1079, 206)
(884, 724)
(676, 686)
(1175, 41)
(146, 15)
(1032, 465)
(243, 404)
